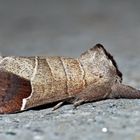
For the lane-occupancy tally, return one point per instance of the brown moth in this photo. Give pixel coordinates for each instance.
(27, 82)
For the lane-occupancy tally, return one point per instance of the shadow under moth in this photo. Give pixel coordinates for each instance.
(27, 82)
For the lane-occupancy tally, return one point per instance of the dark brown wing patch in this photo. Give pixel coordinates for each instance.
(12, 91)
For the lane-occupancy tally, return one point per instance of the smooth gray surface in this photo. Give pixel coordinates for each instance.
(69, 27)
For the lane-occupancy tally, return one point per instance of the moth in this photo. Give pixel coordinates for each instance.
(27, 82)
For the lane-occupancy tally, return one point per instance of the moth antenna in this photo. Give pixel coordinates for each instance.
(124, 91)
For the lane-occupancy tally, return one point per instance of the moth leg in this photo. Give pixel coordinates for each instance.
(92, 93)
(78, 102)
(58, 105)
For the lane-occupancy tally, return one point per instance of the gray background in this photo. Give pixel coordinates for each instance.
(69, 27)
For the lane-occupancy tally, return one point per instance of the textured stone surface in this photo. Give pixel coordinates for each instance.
(68, 28)
(119, 117)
